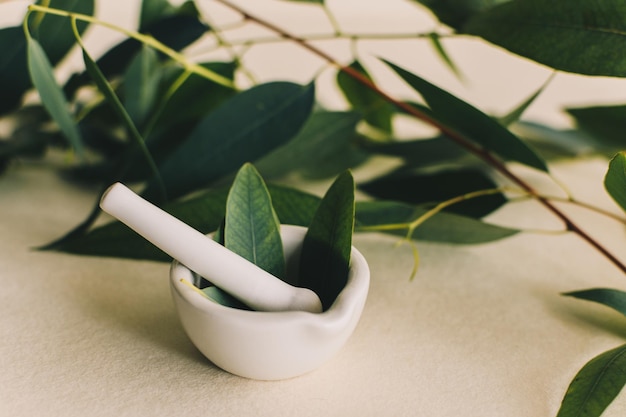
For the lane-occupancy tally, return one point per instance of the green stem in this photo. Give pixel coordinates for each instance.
(145, 39)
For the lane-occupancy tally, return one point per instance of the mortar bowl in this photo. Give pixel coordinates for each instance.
(271, 345)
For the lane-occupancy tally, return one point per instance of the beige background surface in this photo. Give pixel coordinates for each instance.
(481, 331)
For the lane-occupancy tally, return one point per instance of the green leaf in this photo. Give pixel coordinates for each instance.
(596, 385)
(325, 259)
(203, 212)
(106, 89)
(154, 10)
(615, 179)
(141, 85)
(434, 187)
(196, 97)
(612, 298)
(606, 124)
(14, 79)
(375, 110)
(251, 229)
(54, 33)
(244, 128)
(471, 122)
(455, 13)
(435, 40)
(419, 152)
(442, 227)
(176, 32)
(569, 35)
(223, 298)
(516, 114)
(324, 148)
(52, 97)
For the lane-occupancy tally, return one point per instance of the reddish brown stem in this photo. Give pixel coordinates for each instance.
(455, 136)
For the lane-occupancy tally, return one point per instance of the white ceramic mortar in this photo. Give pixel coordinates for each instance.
(271, 345)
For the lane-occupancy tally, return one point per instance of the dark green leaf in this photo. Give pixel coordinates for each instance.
(54, 33)
(52, 97)
(596, 385)
(14, 79)
(611, 298)
(106, 89)
(516, 114)
(606, 124)
(615, 179)
(455, 13)
(141, 85)
(324, 148)
(471, 122)
(203, 212)
(569, 35)
(376, 111)
(223, 298)
(251, 229)
(176, 32)
(424, 187)
(553, 143)
(420, 152)
(442, 227)
(196, 97)
(325, 258)
(435, 40)
(153, 10)
(244, 128)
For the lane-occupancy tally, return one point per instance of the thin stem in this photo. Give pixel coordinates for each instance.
(458, 138)
(145, 39)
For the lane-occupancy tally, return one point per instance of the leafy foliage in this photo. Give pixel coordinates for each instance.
(569, 35)
(150, 116)
(251, 228)
(325, 258)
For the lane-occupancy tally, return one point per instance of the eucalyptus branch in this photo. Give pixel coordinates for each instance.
(455, 136)
(145, 39)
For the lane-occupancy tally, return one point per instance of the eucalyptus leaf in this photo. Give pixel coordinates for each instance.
(217, 295)
(615, 299)
(415, 187)
(435, 40)
(419, 152)
(54, 33)
(194, 98)
(252, 229)
(203, 212)
(106, 89)
(153, 10)
(442, 227)
(376, 111)
(52, 97)
(244, 128)
(569, 35)
(596, 385)
(455, 13)
(325, 147)
(605, 124)
(176, 32)
(14, 79)
(141, 85)
(471, 122)
(615, 179)
(325, 258)
(516, 113)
